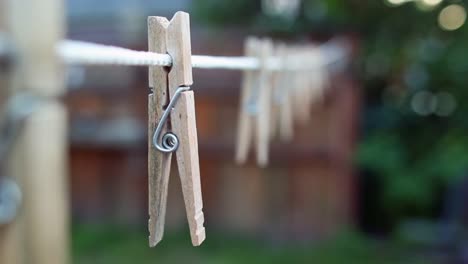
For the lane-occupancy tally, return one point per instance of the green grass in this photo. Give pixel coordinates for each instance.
(99, 245)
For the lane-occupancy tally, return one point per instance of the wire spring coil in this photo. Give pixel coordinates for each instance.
(169, 141)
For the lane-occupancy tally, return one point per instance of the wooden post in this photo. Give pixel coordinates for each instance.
(39, 162)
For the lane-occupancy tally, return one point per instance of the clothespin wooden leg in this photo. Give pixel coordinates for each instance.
(183, 119)
(184, 123)
(159, 164)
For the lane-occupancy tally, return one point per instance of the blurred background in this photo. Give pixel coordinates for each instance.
(378, 175)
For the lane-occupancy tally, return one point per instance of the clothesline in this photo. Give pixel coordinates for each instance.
(79, 52)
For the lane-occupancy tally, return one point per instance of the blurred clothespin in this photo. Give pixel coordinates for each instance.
(275, 77)
(298, 82)
(264, 103)
(172, 98)
(248, 104)
(281, 115)
(255, 107)
(284, 92)
(309, 82)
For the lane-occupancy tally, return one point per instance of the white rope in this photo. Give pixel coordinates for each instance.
(233, 63)
(79, 52)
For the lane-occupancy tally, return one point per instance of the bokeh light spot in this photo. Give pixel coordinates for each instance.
(397, 2)
(452, 17)
(431, 2)
(424, 103)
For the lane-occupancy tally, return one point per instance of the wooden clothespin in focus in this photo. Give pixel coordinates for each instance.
(172, 98)
(255, 106)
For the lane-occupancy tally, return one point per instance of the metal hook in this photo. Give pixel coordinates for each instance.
(170, 142)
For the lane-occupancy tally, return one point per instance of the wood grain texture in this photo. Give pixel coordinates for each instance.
(245, 118)
(179, 48)
(184, 123)
(159, 164)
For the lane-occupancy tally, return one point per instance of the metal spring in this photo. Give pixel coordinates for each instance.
(169, 141)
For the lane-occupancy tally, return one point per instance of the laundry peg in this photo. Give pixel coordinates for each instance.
(264, 103)
(159, 165)
(255, 105)
(286, 122)
(172, 127)
(248, 104)
(276, 93)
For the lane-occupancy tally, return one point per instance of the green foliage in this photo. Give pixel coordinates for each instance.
(117, 245)
(403, 52)
(226, 12)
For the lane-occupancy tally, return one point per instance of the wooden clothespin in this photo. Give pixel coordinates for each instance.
(247, 107)
(255, 105)
(281, 114)
(286, 120)
(173, 98)
(264, 103)
(276, 93)
(275, 100)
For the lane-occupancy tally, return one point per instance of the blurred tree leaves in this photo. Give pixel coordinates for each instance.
(221, 13)
(403, 52)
